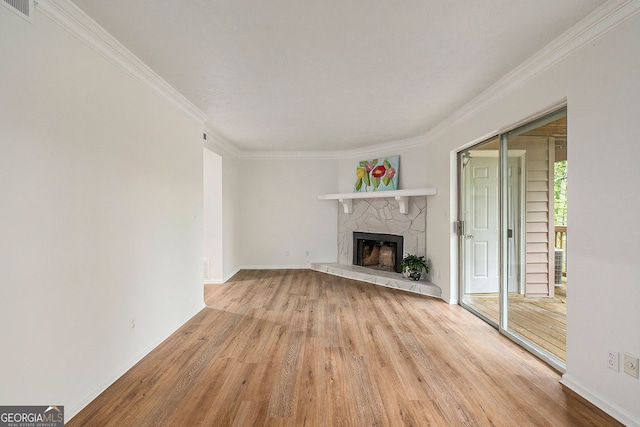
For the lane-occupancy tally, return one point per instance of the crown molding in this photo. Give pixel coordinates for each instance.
(374, 149)
(593, 26)
(318, 155)
(73, 19)
(216, 140)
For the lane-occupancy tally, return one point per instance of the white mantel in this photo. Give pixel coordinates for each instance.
(401, 196)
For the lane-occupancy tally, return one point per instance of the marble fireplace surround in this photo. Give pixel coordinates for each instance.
(382, 215)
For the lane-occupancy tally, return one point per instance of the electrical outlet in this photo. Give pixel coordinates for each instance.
(631, 365)
(614, 360)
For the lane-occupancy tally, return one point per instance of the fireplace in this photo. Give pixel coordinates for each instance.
(378, 251)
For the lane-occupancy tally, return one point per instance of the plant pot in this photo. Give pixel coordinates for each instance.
(415, 274)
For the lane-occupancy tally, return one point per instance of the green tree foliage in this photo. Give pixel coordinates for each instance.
(560, 192)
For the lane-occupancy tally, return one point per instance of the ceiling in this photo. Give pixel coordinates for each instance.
(330, 75)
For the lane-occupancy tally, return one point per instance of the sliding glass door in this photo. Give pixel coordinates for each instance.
(479, 229)
(508, 268)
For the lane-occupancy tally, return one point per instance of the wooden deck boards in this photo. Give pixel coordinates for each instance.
(303, 348)
(543, 321)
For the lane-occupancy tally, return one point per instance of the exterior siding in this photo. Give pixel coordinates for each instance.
(538, 206)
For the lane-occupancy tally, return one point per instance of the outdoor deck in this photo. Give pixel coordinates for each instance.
(542, 321)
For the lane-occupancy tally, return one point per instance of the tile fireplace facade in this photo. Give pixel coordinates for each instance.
(383, 216)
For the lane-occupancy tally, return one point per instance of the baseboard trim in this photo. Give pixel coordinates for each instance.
(601, 402)
(276, 267)
(230, 275)
(74, 409)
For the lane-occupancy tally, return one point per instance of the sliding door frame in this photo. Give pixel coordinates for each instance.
(503, 241)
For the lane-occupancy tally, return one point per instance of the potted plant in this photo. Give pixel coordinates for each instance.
(412, 266)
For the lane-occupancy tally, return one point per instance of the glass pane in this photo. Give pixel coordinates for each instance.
(479, 241)
(536, 298)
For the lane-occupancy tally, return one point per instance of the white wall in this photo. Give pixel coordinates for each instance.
(412, 170)
(601, 83)
(100, 217)
(270, 208)
(231, 199)
(281, 218)
(270, 205)
(212, 216)
(603, 214)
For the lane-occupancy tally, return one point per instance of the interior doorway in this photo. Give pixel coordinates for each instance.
(212, 217)
(513, 233)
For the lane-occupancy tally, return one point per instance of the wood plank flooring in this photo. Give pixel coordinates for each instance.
(303, 348)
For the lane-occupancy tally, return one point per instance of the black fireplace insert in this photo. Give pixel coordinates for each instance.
(378, 251)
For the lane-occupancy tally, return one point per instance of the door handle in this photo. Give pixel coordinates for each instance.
(469, 236)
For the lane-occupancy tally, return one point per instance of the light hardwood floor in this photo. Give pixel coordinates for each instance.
(302, 348)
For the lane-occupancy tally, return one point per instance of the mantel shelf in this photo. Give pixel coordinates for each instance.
(401, 196)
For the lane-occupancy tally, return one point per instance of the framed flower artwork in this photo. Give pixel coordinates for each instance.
(377, 175)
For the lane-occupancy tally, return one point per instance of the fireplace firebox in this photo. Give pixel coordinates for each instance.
(378, 251)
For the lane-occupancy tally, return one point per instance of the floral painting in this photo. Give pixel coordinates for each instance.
(377, 174)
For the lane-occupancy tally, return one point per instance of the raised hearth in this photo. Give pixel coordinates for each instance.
(382, 278)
